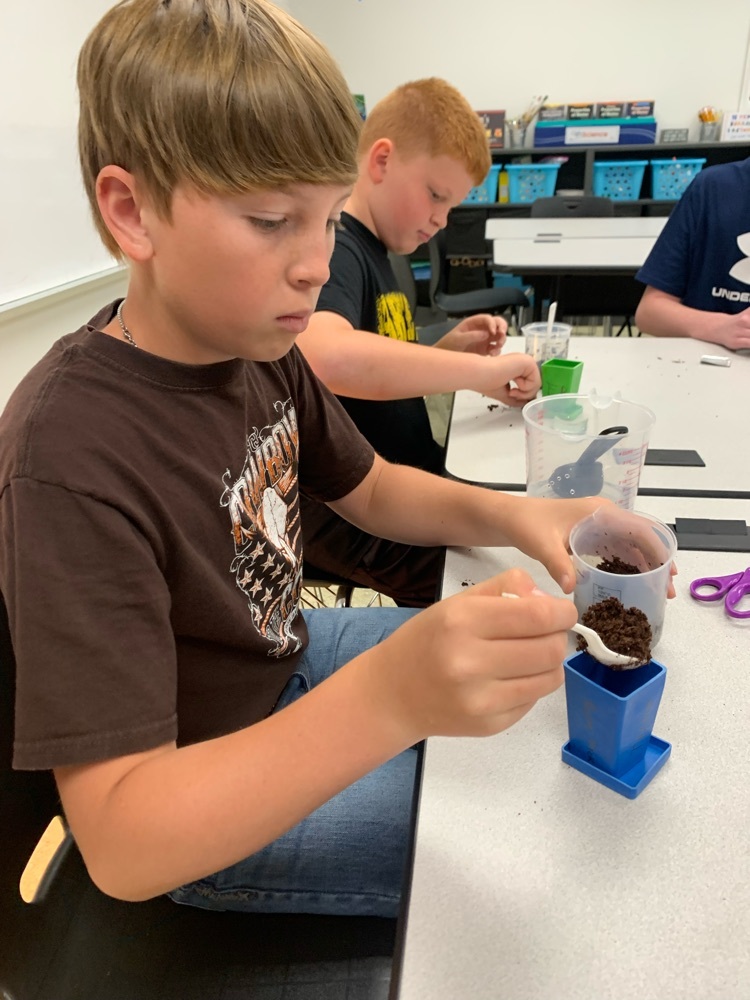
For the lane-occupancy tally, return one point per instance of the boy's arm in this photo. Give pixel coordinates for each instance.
(363, 365)
(415, 507)
(149, 822)
(664, 315)
(471, 665)
(481, 334)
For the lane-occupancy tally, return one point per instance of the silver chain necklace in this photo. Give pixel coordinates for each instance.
(125, 332)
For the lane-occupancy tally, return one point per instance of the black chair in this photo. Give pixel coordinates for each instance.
(428, 333)
(74, 943)
(478, 300)
(561, 207)
(583, 295)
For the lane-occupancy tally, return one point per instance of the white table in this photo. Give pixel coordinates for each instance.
(531, 881)
(555, 245)
(545, 229)
(608, 251)
(529, 257)
(697, 406)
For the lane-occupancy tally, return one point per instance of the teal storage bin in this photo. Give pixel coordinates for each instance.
(485, 192)
(670, 178)
(619, 180)
(529, 181)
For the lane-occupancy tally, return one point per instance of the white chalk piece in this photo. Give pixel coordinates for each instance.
(715, 359)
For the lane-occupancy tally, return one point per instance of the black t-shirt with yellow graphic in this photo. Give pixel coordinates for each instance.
(363, 289)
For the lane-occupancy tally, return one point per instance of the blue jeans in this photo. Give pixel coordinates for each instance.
(347, 857)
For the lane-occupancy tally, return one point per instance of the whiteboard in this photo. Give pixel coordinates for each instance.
(47, 237)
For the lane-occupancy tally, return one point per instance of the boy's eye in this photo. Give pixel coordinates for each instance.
(266, 225)
(435, 196)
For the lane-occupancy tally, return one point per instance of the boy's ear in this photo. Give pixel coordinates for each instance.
(121, 203)
(379, 159)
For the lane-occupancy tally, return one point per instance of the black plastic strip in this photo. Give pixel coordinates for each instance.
(674, 456)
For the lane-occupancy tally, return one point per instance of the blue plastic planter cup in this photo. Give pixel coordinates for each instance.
(611, 715)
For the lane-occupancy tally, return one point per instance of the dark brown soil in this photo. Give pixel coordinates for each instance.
(617, 565)
(623, 630)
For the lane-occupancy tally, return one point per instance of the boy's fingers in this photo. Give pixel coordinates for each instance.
(492, 617)
(526, 661)
(529, 687)
(559, 565)
(509, 712)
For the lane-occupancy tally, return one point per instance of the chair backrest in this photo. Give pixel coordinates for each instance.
(561, 206)
(405, 277)
(438, 265)
(28, 802)
(28, 799)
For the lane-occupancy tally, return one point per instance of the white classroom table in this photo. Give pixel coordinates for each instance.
(697, 406)
(531, 881)
(545, 229)
(545, 251)
(562, 245)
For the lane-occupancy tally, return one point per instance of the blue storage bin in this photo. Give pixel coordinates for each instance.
(619, 180)
(669, 178)
(486, 191)
(529, 181)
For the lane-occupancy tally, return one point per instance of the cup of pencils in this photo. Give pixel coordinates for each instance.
(710, 120)
(517, 127)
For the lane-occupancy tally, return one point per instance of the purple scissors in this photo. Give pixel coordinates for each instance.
(732, 588)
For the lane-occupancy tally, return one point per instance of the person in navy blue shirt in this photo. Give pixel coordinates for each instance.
(698, 273)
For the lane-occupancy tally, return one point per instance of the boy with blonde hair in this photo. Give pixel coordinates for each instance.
(421, 150)
(208, 738)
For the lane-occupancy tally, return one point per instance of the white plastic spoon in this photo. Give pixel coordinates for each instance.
(602, 653)
(551, 318)
(596, 647)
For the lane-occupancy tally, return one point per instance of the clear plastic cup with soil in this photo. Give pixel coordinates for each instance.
(626, 556)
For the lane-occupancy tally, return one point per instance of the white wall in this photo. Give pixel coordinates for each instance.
(500, 53)
(682, 53)
(27, 331)
(47, 237)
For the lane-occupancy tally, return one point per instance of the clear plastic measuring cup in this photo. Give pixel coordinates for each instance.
(560, 429)
(543, 343)
(638, 539)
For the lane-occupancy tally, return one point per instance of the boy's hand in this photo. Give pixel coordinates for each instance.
(541, 529)
(498, 373)
(473, 664)
(480, 334)
(733, 332)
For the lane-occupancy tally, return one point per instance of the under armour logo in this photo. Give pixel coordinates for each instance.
(741, 270)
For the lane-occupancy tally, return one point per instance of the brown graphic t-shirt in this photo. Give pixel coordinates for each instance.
(150, 544)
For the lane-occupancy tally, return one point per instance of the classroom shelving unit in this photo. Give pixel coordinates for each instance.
(466, 223)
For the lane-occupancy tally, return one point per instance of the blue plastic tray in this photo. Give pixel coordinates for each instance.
(633, 781)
